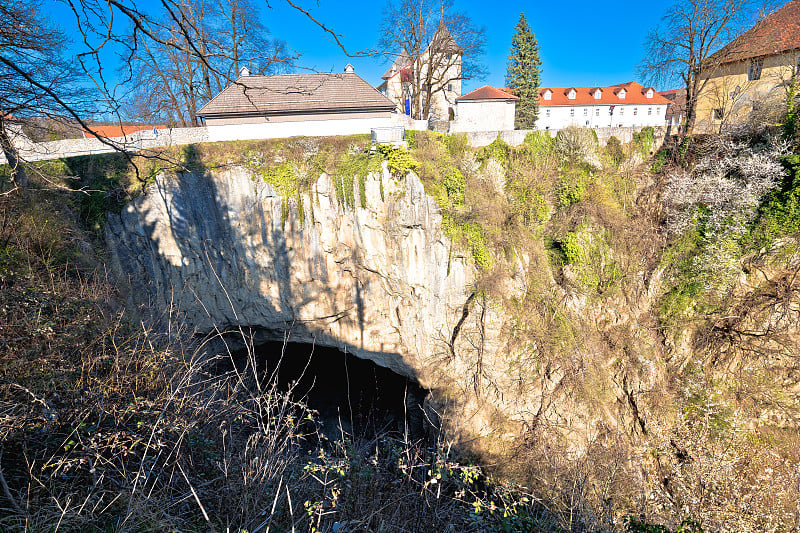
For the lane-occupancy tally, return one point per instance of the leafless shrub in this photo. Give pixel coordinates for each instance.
(715, 471)
(578, 145)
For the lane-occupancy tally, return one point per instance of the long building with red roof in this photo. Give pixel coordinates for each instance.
(625, 105)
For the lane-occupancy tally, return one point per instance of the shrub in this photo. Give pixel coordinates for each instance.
(614, 150)
(572, 185)
(400, 162)
(711, 206)
(589, 255)
(779, 213)
(473, 233)
(498, 150)
(660, 160)
(643, 140)
(577, 145)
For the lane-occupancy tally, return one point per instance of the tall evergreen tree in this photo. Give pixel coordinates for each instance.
(522, 74)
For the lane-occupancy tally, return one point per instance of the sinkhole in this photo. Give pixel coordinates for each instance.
(350, 395)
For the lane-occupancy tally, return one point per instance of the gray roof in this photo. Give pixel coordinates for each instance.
(296, 93)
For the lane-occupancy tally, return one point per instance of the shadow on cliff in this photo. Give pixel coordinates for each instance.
(200, 260)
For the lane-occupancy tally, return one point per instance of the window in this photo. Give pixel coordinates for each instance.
(597, 112)
(649, 93)
(635, 111)
(450, 87)
(649, 111)
(621, 94)
(585, 111)
(572, 111)
(597, 94)
(716, 114)
(754, 71)
(571, 94)
(621, 111)
(547, 113)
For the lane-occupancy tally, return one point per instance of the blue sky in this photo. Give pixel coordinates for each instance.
(580, 43)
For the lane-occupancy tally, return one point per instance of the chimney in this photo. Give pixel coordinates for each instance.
(349, 69)
(244, 72)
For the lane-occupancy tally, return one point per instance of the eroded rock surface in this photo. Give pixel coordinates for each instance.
(379, 281)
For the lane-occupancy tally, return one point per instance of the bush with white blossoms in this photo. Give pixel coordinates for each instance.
(721, 193)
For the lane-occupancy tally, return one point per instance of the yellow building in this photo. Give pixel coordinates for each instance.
(753, 73)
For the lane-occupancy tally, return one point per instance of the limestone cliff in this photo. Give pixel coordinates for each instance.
(379, 281)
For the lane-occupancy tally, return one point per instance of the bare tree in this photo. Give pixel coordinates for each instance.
(684, 45)
(188, 37)
(434, 45)
(35, 79)
(198, 48)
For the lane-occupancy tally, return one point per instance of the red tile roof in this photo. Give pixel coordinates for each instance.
(677, 97)
(635, 93)
(402, 60)
(779, 32)
(120, 131)
(487, 93)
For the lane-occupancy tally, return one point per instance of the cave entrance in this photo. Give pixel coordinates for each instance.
(350, 394)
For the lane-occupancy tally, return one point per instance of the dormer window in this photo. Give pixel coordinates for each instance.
(621, 94)
(598, 94)
(571, 94)
(548, 94)
(649, 93)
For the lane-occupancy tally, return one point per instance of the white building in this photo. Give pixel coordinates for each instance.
(289, 105)
(628, 105)
(484, 109)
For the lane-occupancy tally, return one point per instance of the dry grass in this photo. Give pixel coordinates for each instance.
(108, 424)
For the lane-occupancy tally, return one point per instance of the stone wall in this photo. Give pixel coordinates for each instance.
(139, 140)
(517, 137)
(146, 139)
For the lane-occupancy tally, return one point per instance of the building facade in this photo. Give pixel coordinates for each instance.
(484, 109)
(752, 73)
(676, 112)
(628, 105)
(289, 105)
(443, 84)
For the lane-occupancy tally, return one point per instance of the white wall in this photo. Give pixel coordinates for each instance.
(483, 115)
(624, 115)
(307, 128)
(139, 140)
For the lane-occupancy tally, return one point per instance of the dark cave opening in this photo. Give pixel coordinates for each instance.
(351, 395)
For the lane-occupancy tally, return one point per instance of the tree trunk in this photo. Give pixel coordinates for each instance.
(18, 175)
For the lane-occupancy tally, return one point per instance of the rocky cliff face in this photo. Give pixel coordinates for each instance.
(379, 281)
(564, 367)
